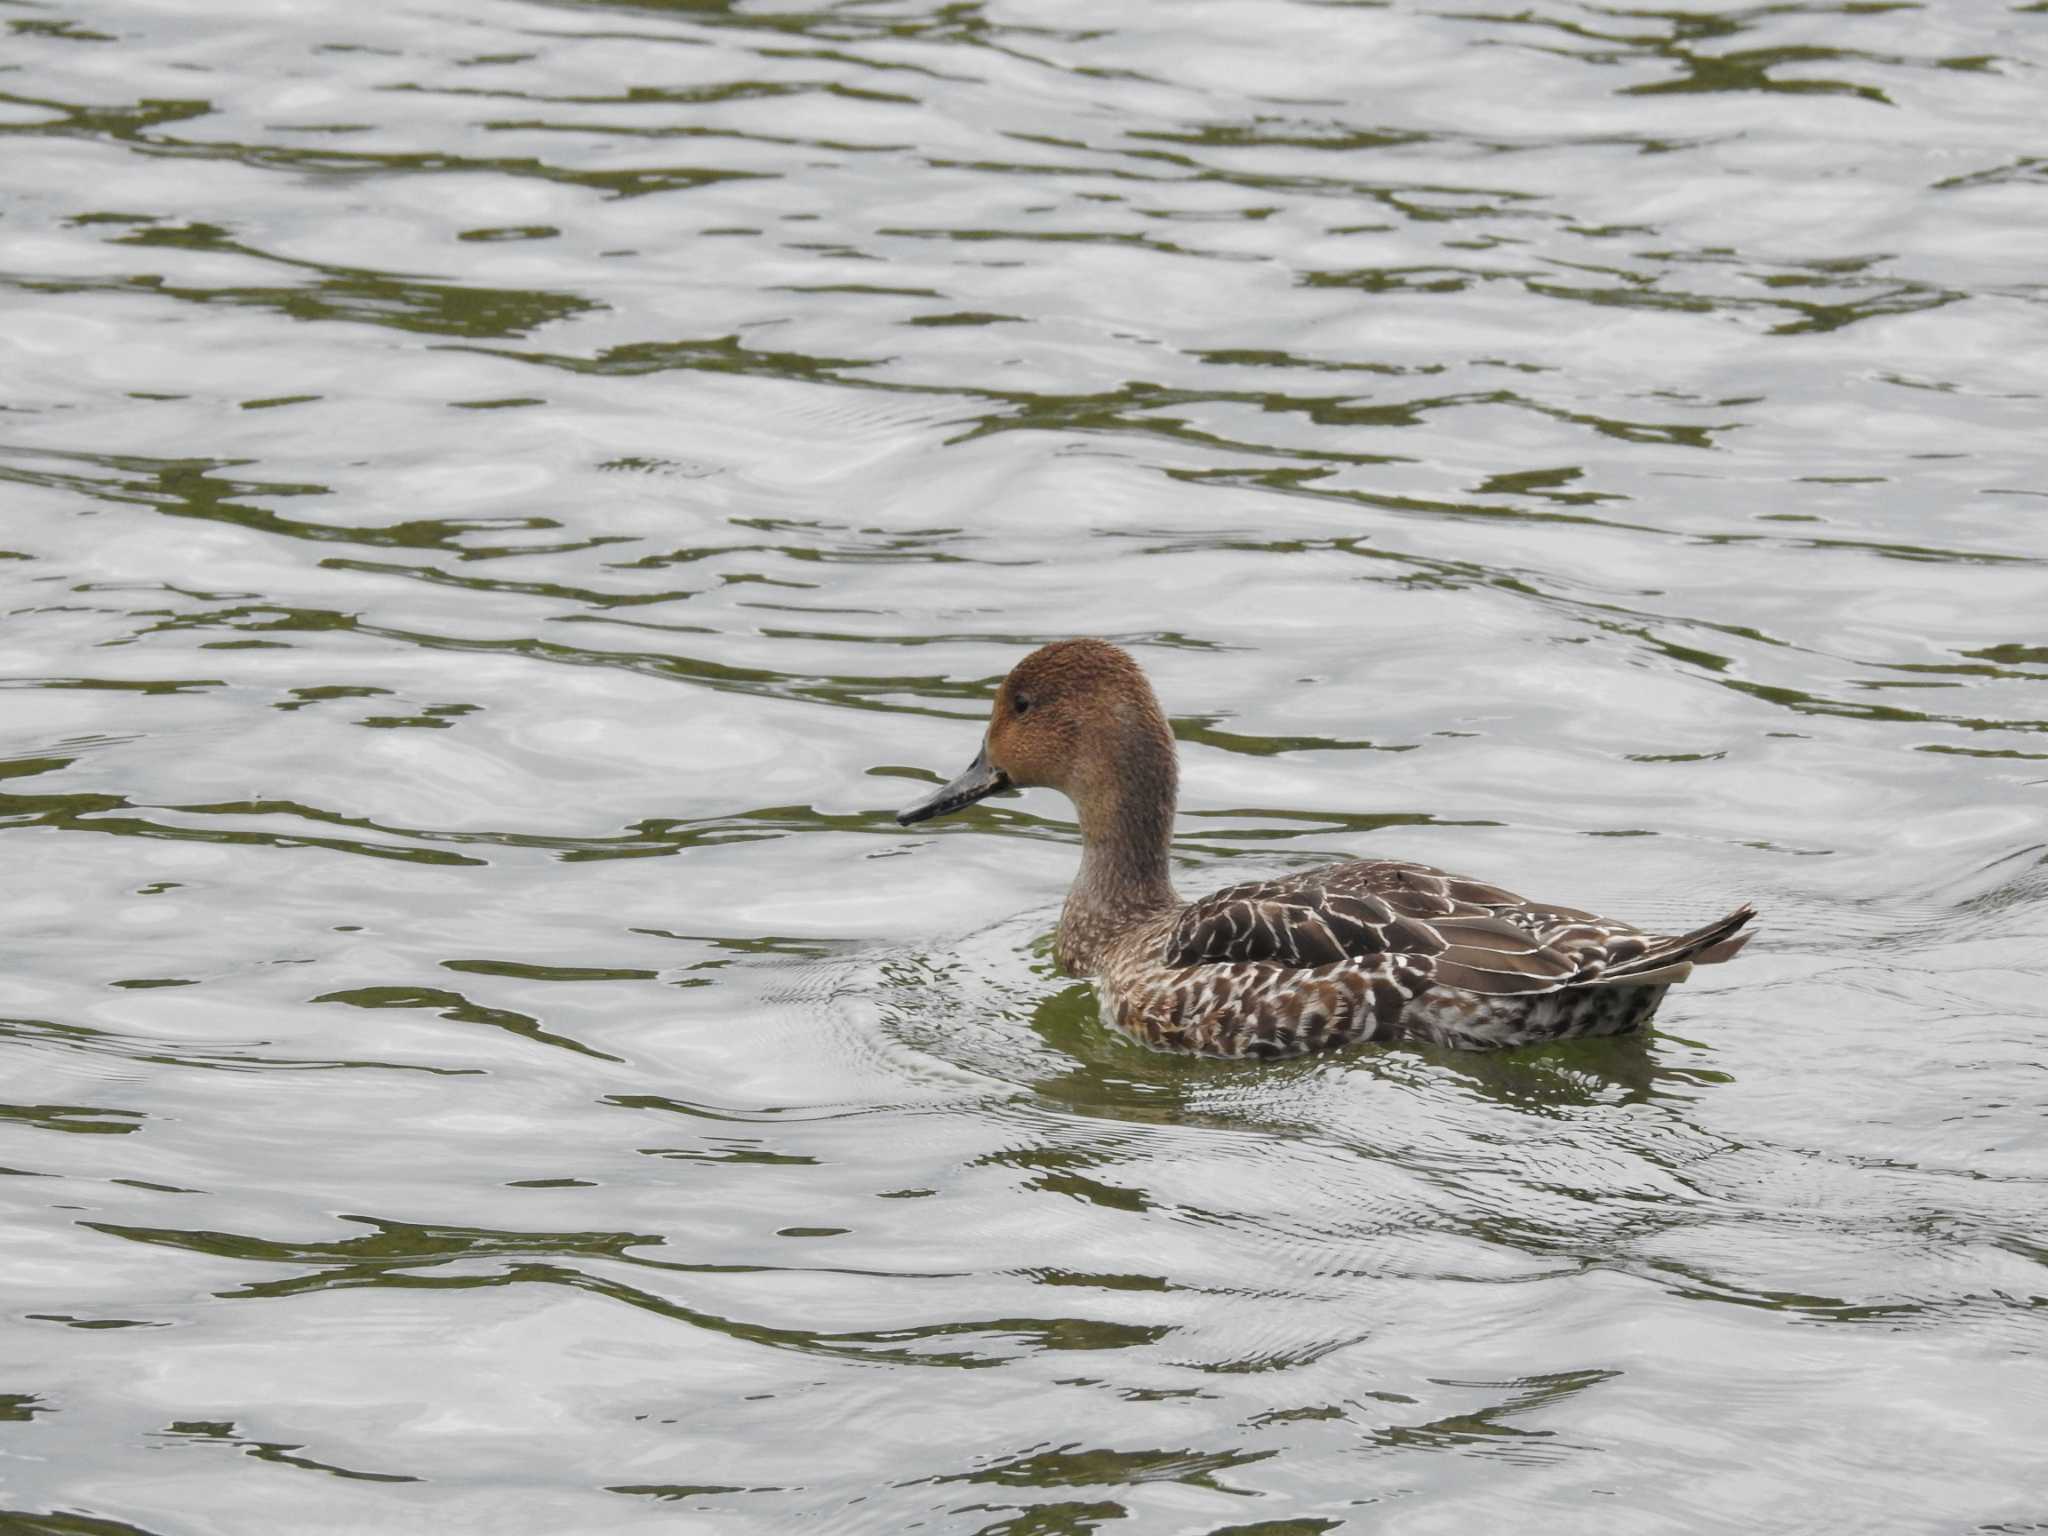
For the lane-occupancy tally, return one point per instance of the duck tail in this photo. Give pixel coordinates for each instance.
(1672, 959)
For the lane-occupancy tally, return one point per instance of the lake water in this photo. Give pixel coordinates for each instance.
(502, 501)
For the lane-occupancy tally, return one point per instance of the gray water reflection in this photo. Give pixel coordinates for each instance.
(503, 502)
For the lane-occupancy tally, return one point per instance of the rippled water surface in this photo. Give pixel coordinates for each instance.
(503, 500)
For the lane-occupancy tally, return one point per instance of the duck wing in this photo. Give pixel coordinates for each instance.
(1455, 932)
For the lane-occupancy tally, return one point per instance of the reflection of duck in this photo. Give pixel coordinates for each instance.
(1372, 949)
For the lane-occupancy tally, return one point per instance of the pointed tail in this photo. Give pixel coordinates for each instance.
(1672, 959)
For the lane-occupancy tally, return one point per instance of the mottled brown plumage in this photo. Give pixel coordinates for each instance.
(1371, 949)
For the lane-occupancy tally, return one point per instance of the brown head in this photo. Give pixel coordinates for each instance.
(1076, 716)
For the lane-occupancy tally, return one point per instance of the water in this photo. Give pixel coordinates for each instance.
(503, 500)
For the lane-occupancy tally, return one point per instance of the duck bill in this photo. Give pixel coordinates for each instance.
(981, 780)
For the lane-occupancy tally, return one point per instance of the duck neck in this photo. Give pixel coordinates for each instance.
(1126, 843)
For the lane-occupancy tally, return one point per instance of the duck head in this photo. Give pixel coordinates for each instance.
(1076, 716)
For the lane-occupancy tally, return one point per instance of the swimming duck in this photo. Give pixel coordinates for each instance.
(1366, 950)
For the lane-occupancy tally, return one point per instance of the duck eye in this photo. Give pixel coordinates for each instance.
(1020, 705)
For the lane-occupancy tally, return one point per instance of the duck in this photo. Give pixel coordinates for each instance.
(1367, 950)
